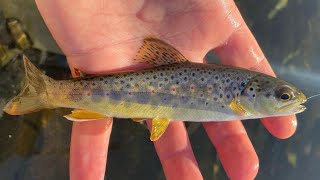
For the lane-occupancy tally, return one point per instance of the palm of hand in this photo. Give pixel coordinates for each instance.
(101, 36)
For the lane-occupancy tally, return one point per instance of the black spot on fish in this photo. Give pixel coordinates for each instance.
(165, 98)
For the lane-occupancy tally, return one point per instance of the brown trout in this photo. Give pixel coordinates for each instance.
(174, 89)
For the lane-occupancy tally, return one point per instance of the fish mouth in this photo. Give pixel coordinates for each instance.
(299, 109)
(296, 106)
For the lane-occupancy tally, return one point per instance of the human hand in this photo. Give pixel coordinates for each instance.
(103, 36)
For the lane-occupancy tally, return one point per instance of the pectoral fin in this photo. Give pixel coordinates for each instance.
(158, 53)
(84, 115)
(238, 108)
(159, 126)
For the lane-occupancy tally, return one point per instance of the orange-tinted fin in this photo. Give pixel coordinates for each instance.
(84, 115)
(80, 73)
(159, 126)
(156, 52)
(138, 119)
(237, 108)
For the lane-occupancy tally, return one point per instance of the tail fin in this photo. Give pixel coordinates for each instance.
(33, 96)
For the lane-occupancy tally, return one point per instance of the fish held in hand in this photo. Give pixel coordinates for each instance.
(173, 89)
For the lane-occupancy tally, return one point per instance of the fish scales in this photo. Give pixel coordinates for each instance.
(181, 87)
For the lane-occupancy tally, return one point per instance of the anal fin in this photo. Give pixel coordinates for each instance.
(84, 115)
(159, 126)
(138, 119)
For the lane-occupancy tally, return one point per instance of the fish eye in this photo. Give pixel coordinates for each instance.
(285, 94)
(285, 97)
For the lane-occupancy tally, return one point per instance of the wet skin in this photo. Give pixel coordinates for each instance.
(104, 36)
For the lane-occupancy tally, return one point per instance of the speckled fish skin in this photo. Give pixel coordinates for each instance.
(183, 91)
(173, 89)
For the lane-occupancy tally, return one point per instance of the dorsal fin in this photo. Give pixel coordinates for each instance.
(156, 52)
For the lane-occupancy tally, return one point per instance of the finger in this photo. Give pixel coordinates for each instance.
(234, 148)
(175, 153)
(89, 149)
(281, 127)
(89, 146)
(242, 50)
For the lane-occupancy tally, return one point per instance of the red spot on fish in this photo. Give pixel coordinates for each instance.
(88, 94)
(173, 89)
(209, 88)
(129, 93)
(192, 87)
(153, 91)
